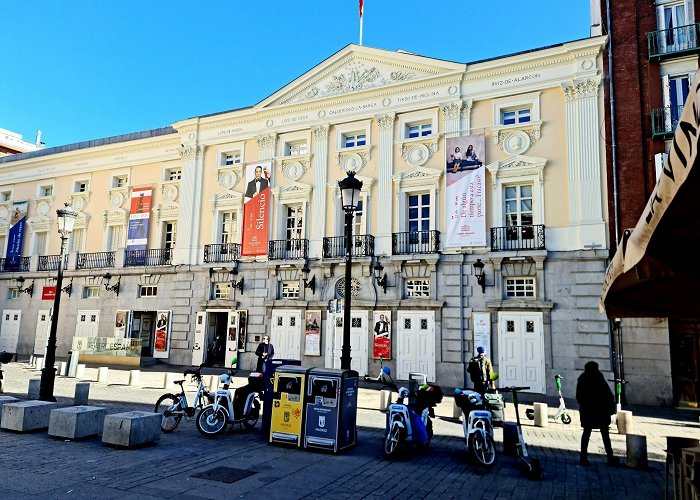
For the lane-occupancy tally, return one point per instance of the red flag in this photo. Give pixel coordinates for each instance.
(362, 4)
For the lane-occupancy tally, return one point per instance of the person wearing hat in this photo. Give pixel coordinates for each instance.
(480, 370)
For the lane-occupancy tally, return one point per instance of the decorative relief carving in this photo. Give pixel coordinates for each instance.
(295, 169)
(516, 143)
(117, 197)
(386, 122)
(79, 201)
(320, 133)
(467, 108)
(581, 90)
(266, 141)
(170, 192)
(116, 217)
(191, 152)
(353, 161)
(501, 134)
(4, 212)
(43, 207)
(227, 178)
(400, 76)
(416, 153)
(451, 111)
(355, 287)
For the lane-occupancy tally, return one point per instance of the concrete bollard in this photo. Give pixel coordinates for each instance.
(456, 410)
(102, 372)
(80, 371)
(384, 399)
(134, 377)
(63, 368)
(33, 388)
(541, 414)
(82, 394)
(31, 361)
(4, 400)
(637, 451)
(625, 425)
(38, 363)
(213, 383)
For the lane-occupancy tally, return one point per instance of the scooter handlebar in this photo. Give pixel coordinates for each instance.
(514, 389)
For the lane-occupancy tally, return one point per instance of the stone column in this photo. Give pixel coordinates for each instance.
(187, 243)
(466, 116)
(266, 147)
(318, 205)
(382, 243)
(451, 114)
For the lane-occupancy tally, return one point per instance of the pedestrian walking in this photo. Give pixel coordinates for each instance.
(265, 351)
(596, 404)
(480, 370)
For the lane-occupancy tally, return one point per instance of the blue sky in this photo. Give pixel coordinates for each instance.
(85, 69)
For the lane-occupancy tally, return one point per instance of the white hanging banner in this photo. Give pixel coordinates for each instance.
(482, 332)
(465, 191)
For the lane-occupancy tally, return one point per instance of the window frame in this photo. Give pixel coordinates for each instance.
(417, 288)
(40, 191)
(217, 289)
(78, 185)
(230, 148)
(418, 118)
(505, 104)
(91, 292)
(151, 291)
(286, 286)
(529, 285)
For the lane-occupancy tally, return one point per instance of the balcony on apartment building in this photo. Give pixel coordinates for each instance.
(665, 120)
(362, 246)
(148, 257)
(50, 262)
(288, 249)
(415, 242)
(94, 260)
(512, 238)
(222, 252)
(14, 264)
(673, 42)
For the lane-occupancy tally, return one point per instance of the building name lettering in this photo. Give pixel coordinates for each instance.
(517, 79)
(350, 109)
(294, 119)
(229, 131)
(417, 97)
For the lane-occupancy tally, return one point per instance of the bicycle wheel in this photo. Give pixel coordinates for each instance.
(253, 416)
(392, 441)
(168, 406)
(211, 422)
(483, 449)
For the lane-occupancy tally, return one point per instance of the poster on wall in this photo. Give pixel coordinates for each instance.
(242, 330)
(161, 345)
(256, 208)
(121, 323)
(312, 336)
(137, 234)
(482, 332)
(15, 238)
(381, 335)
(465, 191)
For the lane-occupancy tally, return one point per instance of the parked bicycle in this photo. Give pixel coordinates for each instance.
(176, 407)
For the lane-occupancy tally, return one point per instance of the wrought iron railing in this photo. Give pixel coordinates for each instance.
(665, 120)
(363, 246)
(673, 41)
(415, 242)
(12, 264)
(517, 238)
(223, 252)
(150, 257)
(50, 262)
(94, 260)
(288, 249)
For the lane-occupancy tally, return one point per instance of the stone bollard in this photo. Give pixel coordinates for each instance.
(213, 383)
(63, 368)
(33, 389)
(168, 379)
(82, 394)
(134, 377)
(31, 361)
(38, 363)
(384, 399)
(4, 400)
(102, 372)
(637, 451)
(541, 414)
(625, 425)
(80, 371)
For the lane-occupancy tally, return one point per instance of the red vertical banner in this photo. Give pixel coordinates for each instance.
(256, 209)
(382, 335)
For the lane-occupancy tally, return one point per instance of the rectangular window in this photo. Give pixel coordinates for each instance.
(76, 240)
(231, 158)
(290, 289)
(418, 288)
(295, 222)
(148, 290)
(221, 290)
(169, 234)
(40, 239)
(518, 205)
(229, 227)
(80, 186)
(520, 287)
(354, 139)
(173, 174)
(46, 190)
(115, 238)
(414, 130)
(6, 196)
(297, 148)
(419, 212)
(513, 116)
(91, 292)
(119, 181)
(359, 218)
(13, 293)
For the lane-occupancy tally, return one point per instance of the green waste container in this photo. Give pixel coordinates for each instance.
(331, 409)
(288, 396)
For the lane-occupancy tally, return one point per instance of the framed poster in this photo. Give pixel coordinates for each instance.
(482, 332)
(121, 323)
(381, 335)
(242, 329)
(161, 345)
(312, 337)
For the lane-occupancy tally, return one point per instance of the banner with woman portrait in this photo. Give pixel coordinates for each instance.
(256, 208)
(465, 191)
(381, 335)
(312, 337)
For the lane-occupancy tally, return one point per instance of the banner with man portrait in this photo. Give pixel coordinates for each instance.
(18, 222)
(256, 208)
(161, 346)
(465, 191)
(381, 335)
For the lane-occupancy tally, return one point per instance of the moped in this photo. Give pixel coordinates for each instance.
(478, 427)
(240, 406)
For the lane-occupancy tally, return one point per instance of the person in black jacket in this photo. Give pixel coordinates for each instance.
(265, 351)
(596, 404)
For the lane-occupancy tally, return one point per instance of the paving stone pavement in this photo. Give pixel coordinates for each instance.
(33, 464)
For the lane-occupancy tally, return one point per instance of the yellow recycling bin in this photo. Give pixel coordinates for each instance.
(288, 396)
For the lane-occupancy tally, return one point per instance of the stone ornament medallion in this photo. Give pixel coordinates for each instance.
(516, 143)
(418, 155)
(228, 179)
(170, 193)
(78, 203)
(352, 163)
(293, 171)
(4, 212)
(42, 208)
(116, 200)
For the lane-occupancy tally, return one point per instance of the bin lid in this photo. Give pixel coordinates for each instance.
(292, 369)
(332, 372)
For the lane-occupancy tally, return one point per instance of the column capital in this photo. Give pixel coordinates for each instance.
(266, 141)
(452, 110)
(386, 122)
(581, 89)
(191, 152)
(320, 132)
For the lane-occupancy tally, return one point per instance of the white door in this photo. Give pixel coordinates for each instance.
(285, 334)
(521, 351)
(87, 323)
(231, 338)
(200, 340)
(415, 332)
(9, 330)
(43, 325)
(359, 341)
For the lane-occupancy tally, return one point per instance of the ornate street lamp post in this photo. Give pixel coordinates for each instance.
(66, 219)
(350, 193)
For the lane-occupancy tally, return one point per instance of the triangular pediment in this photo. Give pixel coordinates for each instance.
(517, 166)
(355, 69)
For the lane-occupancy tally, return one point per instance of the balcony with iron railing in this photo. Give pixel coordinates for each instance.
(222, 252)
(512, 238)
(362, 246)
(14, 264)
(415, 242)
(94, 260)
(149, 257)
(665, 120)
(50, 262)
(288, 249)
(681, 40)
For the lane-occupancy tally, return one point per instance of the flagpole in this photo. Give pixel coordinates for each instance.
(360, 30)
(362, 9)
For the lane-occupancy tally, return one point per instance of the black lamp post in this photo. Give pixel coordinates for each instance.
(66, 220)
(350, 192)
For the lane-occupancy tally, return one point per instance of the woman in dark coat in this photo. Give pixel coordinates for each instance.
(596, 404)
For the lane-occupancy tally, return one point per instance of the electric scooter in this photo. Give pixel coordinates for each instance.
(478, 427)
(530, 466)
(561, 412)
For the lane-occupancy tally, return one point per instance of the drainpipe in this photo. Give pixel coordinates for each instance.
(461, 319)
(613, 142)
